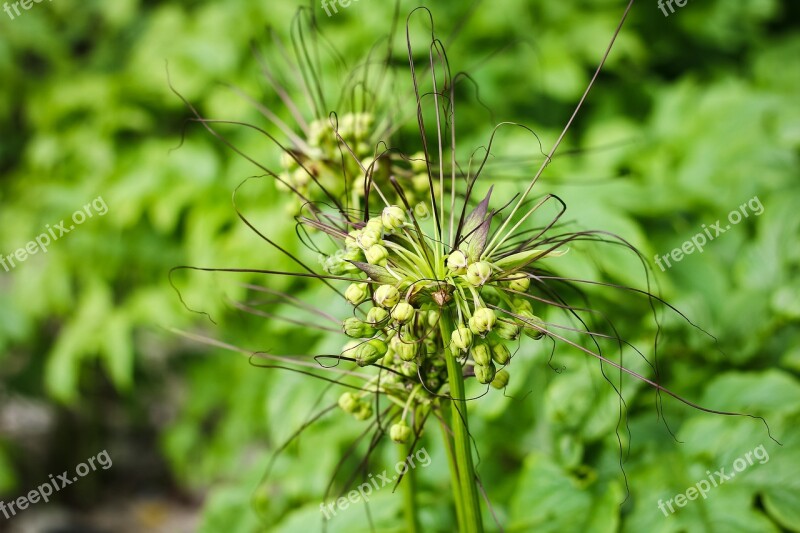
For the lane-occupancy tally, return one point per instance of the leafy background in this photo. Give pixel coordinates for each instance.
(695, 114)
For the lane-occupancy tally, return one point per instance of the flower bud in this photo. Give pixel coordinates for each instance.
(461, 338)
(457, 262)
(334, 265)
(356, 293)
(500, 354)
(418, 162)
(386, 296)
(370, 351)
(421, 211)
(500, 380)
(433, 318)
(405, 348)
(375, 225)
(376, 254)
(409, 369)
(518, 281)
(482, 321)
(481, 354)
(364, 411)
(393, 218)
(520, 305)
(484, 373)
(400, 432)
(352, 254)
(479, 273)
(376, 315)
(357, 328)
(403, 312)
(367, 238)
(351, 241)
(388, 360)
(529, 323)
(349, 402)
(506, 330)
(349, 348)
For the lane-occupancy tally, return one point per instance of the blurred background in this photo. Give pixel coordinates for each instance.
(695, 114)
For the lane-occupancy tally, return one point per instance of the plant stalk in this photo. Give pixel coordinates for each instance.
(468, 489)
(409, 493)
(451, 461)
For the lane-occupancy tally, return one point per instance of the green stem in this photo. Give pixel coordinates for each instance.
(471, 509)
(451, 459)
(409, 493)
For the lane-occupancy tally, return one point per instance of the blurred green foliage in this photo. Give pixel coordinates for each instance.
(694, 115)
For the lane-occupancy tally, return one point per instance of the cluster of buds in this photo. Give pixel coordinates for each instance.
(321, 160)
(402, 299)
(356, 405)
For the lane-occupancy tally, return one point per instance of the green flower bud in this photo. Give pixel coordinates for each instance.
(481, 354)
(421, 211)
(418, 162)
(363, 124)
(301, 177)
(403, 312)
(348, 349)
(393, 218)
(500, 380)
(531, 320)
(357, 328)
(388, 359)
(482, 321)
(288, 161)
(349, 402)
(377, 254)
(521, 305)
(374, 225)
(370, 351)
(479, 273)
(518, 281)
(319, 133)
(333, 265)
(433, 318)
(500, 354)
(377, 315)
(461, 338)
(364, 411)
(491, 297)
(368, 238)
(409, 369)
(457, 262)
(506, 330)
(351, 241)
(386, 296)
(484, 373)
(356, 293)
(406, 348)
(400, 432)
